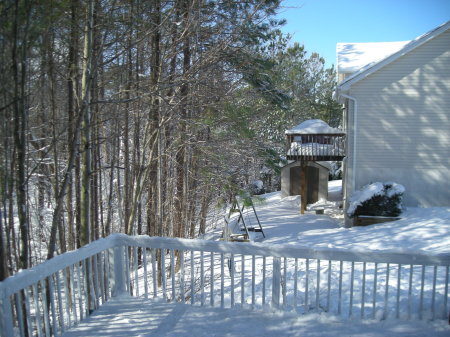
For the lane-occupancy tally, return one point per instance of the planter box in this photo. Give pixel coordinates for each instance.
(365, 220)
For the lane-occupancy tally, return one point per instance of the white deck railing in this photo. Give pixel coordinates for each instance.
(48, 299)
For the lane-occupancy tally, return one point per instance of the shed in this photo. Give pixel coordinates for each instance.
(317, 180)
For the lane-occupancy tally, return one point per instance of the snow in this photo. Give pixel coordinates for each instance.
(351, 57)
(310, 149)
(137, 317)
(421, 230)
(312, 126)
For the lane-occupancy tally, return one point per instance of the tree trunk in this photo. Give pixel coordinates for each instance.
(86, 165)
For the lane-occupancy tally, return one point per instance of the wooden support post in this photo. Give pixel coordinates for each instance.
(303, 187)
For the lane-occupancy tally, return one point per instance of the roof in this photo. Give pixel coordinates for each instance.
(312, 126)
(351, 57)
(373, 67)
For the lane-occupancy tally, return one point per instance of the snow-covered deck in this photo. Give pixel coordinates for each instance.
(309, 277)
(136, 317)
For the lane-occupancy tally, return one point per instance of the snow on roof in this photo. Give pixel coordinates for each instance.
(312, 126)
(351, 57)
(376, 65)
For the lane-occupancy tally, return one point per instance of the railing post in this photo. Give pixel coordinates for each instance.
(118, 281)
(276, 282)
(6, 319)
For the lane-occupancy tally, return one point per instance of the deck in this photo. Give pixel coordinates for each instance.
(132, 316)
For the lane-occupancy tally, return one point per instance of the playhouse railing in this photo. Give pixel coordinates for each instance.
(56, 295)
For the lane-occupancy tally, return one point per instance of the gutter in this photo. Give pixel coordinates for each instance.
(355, 114)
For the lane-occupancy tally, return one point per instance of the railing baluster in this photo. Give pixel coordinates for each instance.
(253, 280)
(232, 279)
(27, 311)
(67, 296)
(352, 281)
(363, 291)
(45, 308)
(445, 312)
(136, 270)
(397, 304)
(386, 293)
(144, 261)
(306, 286)
(182, 277)
(374, 299)
(60, 306)
(276, 282)
(212, 279)
(284, 282)
(242, 279)
(295, 283)
(52, 305)
(163, 273)
(86, 289)
(422, 285)
(127, 260)
(202, 279)
(264, 282)
(222, 280)
(329, 285)
(37, 309)
(73, 294)
(433, 294)
(95, 279)
(341, 263)
(318, 285)
(101, 267)
(411, 271)
(172, 273)
(19, 313)
(107, 272)
(154, 254)
(80, 294)
(192, 278)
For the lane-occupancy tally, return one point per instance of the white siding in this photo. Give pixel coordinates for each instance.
(403, 124)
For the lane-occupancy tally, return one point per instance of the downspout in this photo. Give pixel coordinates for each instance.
(355, 114)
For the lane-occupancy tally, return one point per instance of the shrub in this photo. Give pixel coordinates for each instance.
(377, 199)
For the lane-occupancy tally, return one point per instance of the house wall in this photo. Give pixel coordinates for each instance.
(403, 125)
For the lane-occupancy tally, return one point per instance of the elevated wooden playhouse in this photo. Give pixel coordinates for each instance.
(309, 146)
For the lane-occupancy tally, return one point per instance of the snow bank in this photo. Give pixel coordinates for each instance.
(312, 126)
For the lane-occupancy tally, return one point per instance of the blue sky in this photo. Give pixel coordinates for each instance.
(320, 24)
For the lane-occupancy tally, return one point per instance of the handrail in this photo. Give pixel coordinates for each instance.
(288, 251)
(28, 277)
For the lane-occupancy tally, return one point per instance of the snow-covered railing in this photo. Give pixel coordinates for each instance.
(52, 297)
(315, 147)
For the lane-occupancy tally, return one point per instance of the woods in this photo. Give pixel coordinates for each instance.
(140, 116)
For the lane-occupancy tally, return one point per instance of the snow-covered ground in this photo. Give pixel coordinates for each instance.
(419, 230)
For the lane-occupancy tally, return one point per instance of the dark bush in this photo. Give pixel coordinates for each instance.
(384, 202)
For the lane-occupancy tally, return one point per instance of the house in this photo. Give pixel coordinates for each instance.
(397, 120)
(309, 146)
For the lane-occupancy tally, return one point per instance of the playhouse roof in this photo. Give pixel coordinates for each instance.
(312, 126)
